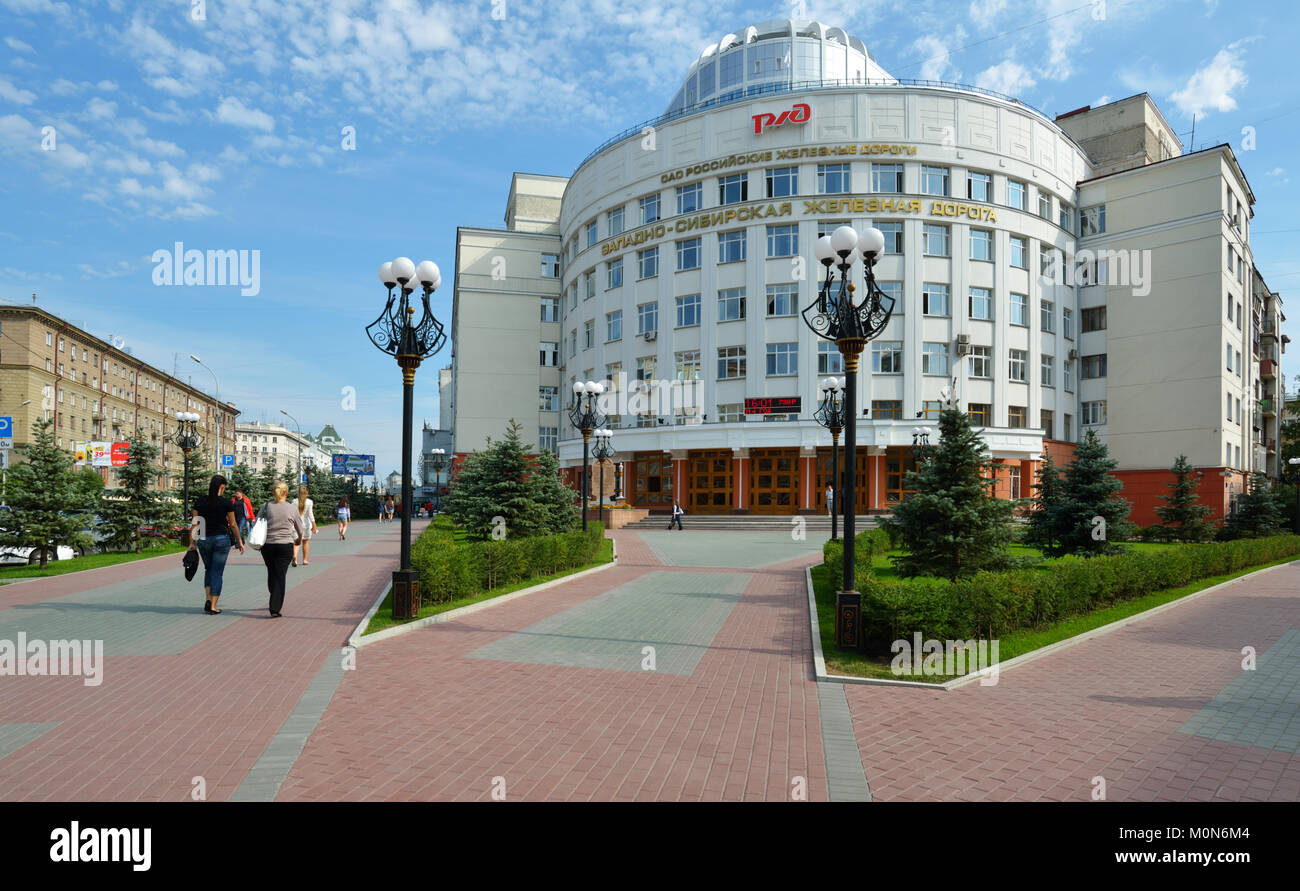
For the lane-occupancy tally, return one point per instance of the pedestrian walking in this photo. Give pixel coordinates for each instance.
(283, 534)
(677, 517)
(830, 501)
(307, 514)
(213, 531)
(388, 508)
(243, 512)
(344, 513)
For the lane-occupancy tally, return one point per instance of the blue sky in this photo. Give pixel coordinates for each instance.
(226, 131)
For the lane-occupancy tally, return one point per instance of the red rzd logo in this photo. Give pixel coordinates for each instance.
(799, 114)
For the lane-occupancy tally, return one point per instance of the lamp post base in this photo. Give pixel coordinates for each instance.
(848, 620)
(406, 593)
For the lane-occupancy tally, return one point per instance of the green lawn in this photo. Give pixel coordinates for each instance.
(1010, 645)
(883, 568)
(90, 561)
(384, 617)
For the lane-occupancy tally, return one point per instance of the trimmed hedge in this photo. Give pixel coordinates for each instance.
(450, 570)
(990, 604)
(866, 545)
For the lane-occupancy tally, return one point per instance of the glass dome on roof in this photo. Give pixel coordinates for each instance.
(783, 51)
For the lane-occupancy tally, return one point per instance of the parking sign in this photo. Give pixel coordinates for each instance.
(227, 460)
(6, 433)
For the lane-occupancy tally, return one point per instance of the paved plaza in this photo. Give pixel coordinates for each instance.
(682, 673)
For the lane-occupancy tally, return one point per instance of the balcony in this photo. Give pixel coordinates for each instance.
(1267, 369)
(1268, 328)
(1267, 408)
(1272, 446)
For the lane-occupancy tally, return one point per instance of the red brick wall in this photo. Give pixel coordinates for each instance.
(1146, 488)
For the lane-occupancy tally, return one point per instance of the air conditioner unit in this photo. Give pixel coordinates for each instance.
(650, 335)
(963, 338)
(1073, 354)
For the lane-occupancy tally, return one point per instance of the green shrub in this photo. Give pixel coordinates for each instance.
(867, 545)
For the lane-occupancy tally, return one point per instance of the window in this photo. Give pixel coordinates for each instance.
(550, 309)
(829, 358)
(645, 368)
(782, 182)
(1068, 428)
(1047, 316)
(1047, 378)
(887, 409)
(1017, 195)
(782, 359)
(1094, 413)
(894, 291)
(886, 177)
(980, 413)
(931, 409)
(549, 397)
(980, 302)
(548, 439)
(1045, 419)
(887, 357)
(550, 354)
(688, 310)
(781, 299)
(934, 299)
(1017, 361)
(981, 244)
(934, 180)
(1229, 406)
(612, 372)
(591, 233)
(1066, 217)
(1045, 205)
(573, 296)
(1067, 375)
(588, 334)
(1092, 220)
(1237, 369)
(934, 239)
(731, 246)
(832, 179)
(731, 304)
(647, 317)
(979, 361)
(1019, 252)
(1228, 354)
(730, 412)
(589, 284)
(934, 358)
(688, 254)
(731, 363)
(688, 365)
(979, 186)
(893, 233)
(614, 325)
(573, 342)
(1016, 417)
(690, 199)
(783, 241)
(614, 274)
(614, 221)
(649, 208)
(733, 189)
(49, 340)
(1067, 323)
(648, 262)
(1020, 310)
(1093, 319)
(1238, 316)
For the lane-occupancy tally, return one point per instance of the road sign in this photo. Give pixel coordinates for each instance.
(4, 459)
(227, 460)
(6, 432)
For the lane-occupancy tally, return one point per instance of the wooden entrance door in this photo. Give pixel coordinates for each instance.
(774, 486)
(864, 483)
(710, 481)
(898, 463)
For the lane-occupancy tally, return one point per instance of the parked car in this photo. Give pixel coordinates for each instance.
(32, 556)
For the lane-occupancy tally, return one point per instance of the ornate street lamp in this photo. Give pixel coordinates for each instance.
(834, 315)
(585, 416)
(187, 438)
(438, 459)
(920, 442)
(830, 414)
(603, 451)
(397, 333)
(1294, 464)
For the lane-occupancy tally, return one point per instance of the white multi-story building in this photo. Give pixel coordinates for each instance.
(261, 444)
(1059, 274)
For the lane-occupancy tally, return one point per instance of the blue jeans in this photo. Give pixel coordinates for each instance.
(214, 550)
(244, 524)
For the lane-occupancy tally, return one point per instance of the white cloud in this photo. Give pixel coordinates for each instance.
(101, 110)
(64, 87)
(982, 11)
(1211, 87)
(1007, 77)
(232, 111)
(18, 46)
(1276, 171)
(107, 86)
(10, 93)
(934, 50)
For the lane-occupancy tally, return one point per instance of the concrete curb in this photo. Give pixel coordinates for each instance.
(357, 640)
(819, 662)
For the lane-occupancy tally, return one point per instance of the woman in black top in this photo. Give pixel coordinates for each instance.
(212, 531)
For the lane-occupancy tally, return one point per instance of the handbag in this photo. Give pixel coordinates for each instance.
(257, 535)
(191, 563)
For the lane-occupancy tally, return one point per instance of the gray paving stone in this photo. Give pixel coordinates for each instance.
(845, 778)
(1258, 707)
(14, 736)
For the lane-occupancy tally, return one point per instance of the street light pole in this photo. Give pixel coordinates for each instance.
(831, 416)
(397, 333)
(438, 458)
(604, 451)
(186, 436)
(584, 415)
(297, 442)
(851, 325)
(220, 413)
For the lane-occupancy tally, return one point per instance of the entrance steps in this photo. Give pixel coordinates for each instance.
(751, 522)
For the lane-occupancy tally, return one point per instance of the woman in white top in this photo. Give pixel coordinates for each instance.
(306, 513)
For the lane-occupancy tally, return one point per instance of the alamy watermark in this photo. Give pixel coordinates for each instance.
(194, 267)
(945, 658)
(35, 658)
(1113, 268)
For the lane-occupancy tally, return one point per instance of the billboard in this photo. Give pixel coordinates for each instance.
(353, 465)
(101, 454)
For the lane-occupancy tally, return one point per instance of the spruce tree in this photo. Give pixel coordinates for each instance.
(50, 503)
(953, 525)
(1089, 517)
(267, 477)
(1258, 510)
(555, 499)
(498, 485)
(1182, 512)
(137, 501)
(243, 479)
(1042, 532)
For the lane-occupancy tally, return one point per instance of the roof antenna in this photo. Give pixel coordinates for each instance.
(1193, 148)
